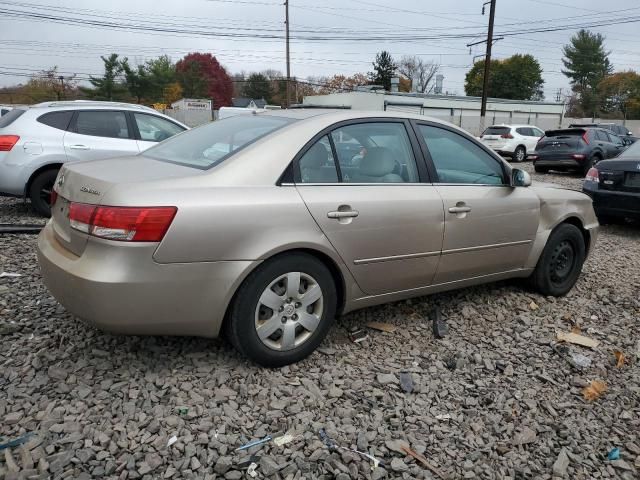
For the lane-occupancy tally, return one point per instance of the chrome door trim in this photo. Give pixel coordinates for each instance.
(485, 247)
(364, 261)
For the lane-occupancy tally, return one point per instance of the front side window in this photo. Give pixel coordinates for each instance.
(155, 129)
(375, 152)
(102, 123)
(209, 145)
(537, 132)
(458, 160)
(317, 164)
(615, 139)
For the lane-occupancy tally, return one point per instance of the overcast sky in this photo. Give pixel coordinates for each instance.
(28, 45)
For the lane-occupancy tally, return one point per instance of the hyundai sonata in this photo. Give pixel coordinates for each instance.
(267, 226)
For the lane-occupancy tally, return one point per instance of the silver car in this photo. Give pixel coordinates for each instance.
(36, 141)
(267, 226)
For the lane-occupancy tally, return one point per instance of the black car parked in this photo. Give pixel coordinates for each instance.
(575, 149)
(614, 186)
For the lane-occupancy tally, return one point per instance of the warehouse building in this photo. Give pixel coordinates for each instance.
(459, 110)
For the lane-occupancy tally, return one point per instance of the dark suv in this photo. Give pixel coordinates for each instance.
(575, 149)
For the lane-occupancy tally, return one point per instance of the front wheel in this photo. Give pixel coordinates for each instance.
(283, 310)
(520, 154)
(561, 261)
(40, 192)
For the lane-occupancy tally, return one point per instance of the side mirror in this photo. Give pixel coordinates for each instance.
(520, 178)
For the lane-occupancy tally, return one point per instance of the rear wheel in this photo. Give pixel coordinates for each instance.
(590, 163)
(520, 154)
(561, 261)
(541, 169)
(283, 310)
(40, 192)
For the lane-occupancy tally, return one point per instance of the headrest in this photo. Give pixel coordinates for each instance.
(378, 162)
(316, 156)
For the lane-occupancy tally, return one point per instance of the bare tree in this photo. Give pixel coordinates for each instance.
(420, 72)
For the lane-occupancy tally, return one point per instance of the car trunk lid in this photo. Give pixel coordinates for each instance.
(89, 182)
(619, 175)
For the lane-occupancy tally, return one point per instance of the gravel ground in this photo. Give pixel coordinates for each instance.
(492, 400)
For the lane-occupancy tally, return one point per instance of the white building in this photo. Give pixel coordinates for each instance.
(462, 111)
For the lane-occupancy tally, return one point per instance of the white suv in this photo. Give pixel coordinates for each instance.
(35, 141)
(513, 141)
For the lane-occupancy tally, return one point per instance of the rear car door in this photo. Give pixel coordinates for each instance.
(98, 134)
(377, 207)
(617, 143)
(489, 225)
(603, 141)
(151, 129)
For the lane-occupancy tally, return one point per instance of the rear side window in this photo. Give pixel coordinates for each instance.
(602, 136)
(524, 131)
(155, 129)
(317, 165)
(102, 124)
(59, 120)
(10, 117)
(497, 131)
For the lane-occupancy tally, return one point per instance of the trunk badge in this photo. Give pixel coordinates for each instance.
(61, 180)
(89, 190)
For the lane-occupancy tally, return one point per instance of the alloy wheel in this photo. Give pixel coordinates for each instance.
(289, 311)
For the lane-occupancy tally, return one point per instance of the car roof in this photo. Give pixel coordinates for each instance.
(92, 104)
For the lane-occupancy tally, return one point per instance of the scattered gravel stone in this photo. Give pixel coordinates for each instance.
(561, 464)
(491, 400)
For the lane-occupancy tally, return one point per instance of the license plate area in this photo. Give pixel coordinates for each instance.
(632, 180)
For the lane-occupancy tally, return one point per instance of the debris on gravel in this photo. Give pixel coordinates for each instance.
(493, 399)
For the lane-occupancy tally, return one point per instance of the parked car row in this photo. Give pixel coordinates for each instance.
(36, 141)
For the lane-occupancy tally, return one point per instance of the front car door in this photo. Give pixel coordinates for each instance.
(98, 134)
(618, 144)
(151, 129)
(489, 225)
(376, 207)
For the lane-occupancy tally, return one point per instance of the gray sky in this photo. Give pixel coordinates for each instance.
(28, 45)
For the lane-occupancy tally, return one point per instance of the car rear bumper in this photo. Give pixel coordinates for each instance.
(613, 203)
(559, 163)
(120, 289)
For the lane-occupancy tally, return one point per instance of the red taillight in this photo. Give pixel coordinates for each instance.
(127, 224)
(592, 175)
(578, 156)
(585, 138)
(7, 142)
(507, 135)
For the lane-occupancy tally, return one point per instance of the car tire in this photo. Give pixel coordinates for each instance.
(561, 261)
(271, 282)
(520, 154)
(541, 169)
(590, 163)
(40, 191)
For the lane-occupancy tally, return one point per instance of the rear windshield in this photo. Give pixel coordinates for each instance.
(209, 145)
(10, 117)
(497, 131)
(575, 132)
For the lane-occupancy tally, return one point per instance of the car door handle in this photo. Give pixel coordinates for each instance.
(346, 214)
(78, 147)
(459, 209)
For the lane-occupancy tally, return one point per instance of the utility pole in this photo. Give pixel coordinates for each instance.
(487, 65)
(286, 10)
